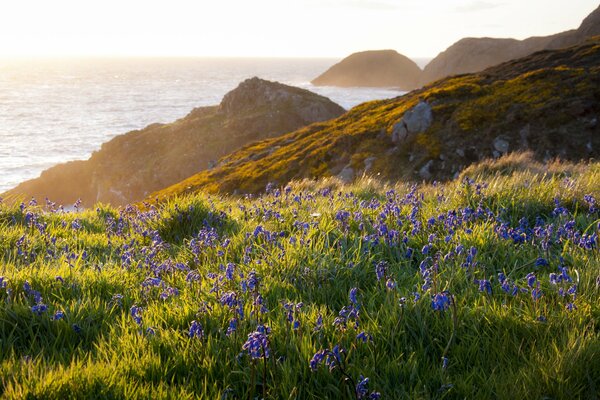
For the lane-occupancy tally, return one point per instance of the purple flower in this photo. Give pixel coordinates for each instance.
(541, 262)
(136, 313)
(444, 362)
(352, 296)
(364, 337)
(318, 323)
(39, 308)
(484, 286)
(441, 301)
(390, 284)
(196, 330)
(257, 344)
(531, 279)
(58, 316)
(317, 359)
(232, 327)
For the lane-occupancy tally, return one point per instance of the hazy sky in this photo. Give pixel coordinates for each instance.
(320, 28)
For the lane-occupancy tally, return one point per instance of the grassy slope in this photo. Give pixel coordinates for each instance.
(552, 95)
(501, 349)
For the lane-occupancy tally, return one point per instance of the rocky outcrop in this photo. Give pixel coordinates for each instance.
(416, 120)
(131, 166)
(377, 68)
(547, 103)
(476, 54)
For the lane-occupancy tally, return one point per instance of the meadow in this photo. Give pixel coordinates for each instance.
(487, 286)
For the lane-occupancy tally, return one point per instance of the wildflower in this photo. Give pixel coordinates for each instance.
(317, 359)
(196, 330)
(541, 262)
(444, 362)
(390, 284)
(318, 323)
(257, 344)
(380, 270)
(58, 316)
(484, 286)
(362, 392)
(136, 313)
(352, 296)
(232, 327)
(441, 301)
(364, 337)
(531, 280)
(39, 308)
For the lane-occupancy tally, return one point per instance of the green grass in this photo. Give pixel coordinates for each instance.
(496, 344)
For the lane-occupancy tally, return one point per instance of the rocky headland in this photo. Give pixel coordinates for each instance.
(476, 54)
(387, 68)
(131, 166)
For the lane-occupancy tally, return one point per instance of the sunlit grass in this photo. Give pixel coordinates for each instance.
(92, 266)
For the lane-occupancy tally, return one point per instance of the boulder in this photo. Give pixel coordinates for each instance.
(501, 145)
(347, 174)
(416, 120)
(424, 172)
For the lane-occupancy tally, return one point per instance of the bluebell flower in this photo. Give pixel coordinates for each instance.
(318, 323)
(484, 285)
(390, 284)
(257, 344)
(361, 387)
(531, 280)
(364, 337)
(380, 270)
(440, 301)
(58, 316)
(39, 308)
(232, 327)
(352, 296)
(541, 262)
(136, 314)
(317, 359)
(196, 330)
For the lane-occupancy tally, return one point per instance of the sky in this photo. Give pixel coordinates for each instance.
(270, 28)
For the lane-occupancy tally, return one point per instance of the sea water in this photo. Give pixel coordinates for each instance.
(57, 110)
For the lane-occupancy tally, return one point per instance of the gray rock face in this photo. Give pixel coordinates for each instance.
(416, 120)
(257, 94)
(501, 145)
(424, 172)
(369, 163)
(347, 174)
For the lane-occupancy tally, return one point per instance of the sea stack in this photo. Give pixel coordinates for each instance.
(375, 68)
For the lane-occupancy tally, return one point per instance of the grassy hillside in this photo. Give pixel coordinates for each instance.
(483, 287)
(548, 102)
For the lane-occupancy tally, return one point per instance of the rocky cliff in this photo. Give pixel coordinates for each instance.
(475, 54)
(547, 103)
(378, 68)
(130, 166)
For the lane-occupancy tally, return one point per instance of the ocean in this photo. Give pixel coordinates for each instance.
(57, 110)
